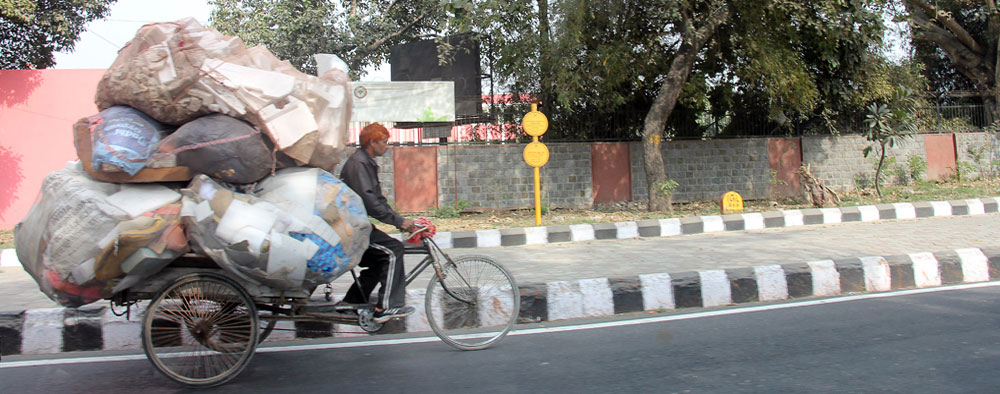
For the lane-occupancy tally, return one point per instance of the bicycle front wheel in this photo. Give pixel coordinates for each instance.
(473, 303)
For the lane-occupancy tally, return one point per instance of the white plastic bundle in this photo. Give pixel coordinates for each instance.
(84, 237)
(301, 227)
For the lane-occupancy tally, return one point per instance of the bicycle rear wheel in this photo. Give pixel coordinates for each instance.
(473, 304)
(201, 331)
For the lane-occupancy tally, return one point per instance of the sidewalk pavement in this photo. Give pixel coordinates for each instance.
(604, 269)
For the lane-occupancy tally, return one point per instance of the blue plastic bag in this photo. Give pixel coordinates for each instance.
(126, 138)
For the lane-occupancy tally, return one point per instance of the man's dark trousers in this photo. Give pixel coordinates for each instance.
(384, 255)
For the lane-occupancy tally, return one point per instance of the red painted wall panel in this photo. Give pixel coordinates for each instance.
(37, 112)
(940, 149)
(610, 167)
(785, 156)
(414, 171)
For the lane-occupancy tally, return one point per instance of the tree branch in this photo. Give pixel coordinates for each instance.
(948, 22)
(371, 47)
(968, 63)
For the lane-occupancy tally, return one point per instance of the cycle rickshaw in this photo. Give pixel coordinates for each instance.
(202, 325)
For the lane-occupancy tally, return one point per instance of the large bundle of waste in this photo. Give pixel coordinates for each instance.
(178, 72)
(300, 228)
(84, 237)
(204, 146)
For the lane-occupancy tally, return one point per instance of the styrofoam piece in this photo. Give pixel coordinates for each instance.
(270, 84)
(290, 123)
(136, 199)
(83, 273)
(297, 185)
(325, 62)
(255, 238)
(290, 254)
(239, 216)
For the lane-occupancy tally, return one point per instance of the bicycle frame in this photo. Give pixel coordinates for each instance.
(431, 250)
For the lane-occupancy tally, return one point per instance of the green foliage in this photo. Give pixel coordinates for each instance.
(31, 31)
(917, 166)
(667, 188)
(774, 179)
(809, 65)
(451, 211)
(961, 171)
(360, 32)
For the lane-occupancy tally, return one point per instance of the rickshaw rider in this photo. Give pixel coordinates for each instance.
(383, 261)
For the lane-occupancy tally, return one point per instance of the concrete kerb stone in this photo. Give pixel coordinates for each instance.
(649, 228)
(990, 205)
(923, 209)
(95, 328)
(605, 231)
(513, 237)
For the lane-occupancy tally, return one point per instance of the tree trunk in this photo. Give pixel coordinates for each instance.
(878, 174)
(545, 95)
(693, 39)
(977, 61)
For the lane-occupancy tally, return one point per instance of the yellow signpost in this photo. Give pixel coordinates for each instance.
(536, 154)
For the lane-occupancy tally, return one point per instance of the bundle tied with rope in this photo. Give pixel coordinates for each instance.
(179, 72)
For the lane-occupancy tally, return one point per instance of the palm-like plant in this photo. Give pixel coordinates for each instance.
(889, 124)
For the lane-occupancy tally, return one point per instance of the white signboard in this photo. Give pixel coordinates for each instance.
(423, 101)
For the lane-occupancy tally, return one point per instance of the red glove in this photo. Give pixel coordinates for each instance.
(428, 230)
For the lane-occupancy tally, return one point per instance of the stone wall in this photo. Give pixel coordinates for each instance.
(708, 169)
(980, 151)
(840, 161)
(496, 176)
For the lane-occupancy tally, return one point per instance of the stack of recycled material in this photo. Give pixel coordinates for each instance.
(201, 145)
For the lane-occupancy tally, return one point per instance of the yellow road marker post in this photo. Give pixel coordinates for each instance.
(536, 154)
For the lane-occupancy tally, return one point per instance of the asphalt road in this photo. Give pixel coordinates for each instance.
(930, 342)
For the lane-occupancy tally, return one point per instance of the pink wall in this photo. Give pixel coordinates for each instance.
(37, 112)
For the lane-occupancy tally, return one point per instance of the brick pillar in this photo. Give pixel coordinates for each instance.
(785, 156)
(940, 150)
(415, 176)
(611, 172)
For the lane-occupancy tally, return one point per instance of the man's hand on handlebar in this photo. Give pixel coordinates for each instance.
(409, 226)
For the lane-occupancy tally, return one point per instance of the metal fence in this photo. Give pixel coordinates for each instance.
(503, 127)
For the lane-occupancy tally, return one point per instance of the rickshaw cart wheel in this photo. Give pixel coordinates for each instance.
(201, 330)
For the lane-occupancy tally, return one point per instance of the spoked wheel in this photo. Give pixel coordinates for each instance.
(475, 305)
(201, 330)
(266, 326)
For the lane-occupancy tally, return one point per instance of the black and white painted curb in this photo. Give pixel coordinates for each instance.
(98, 328)
(708, 224)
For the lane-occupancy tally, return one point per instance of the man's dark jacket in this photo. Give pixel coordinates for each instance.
(360, 173)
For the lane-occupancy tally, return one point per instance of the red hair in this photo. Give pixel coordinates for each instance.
(373, 132)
